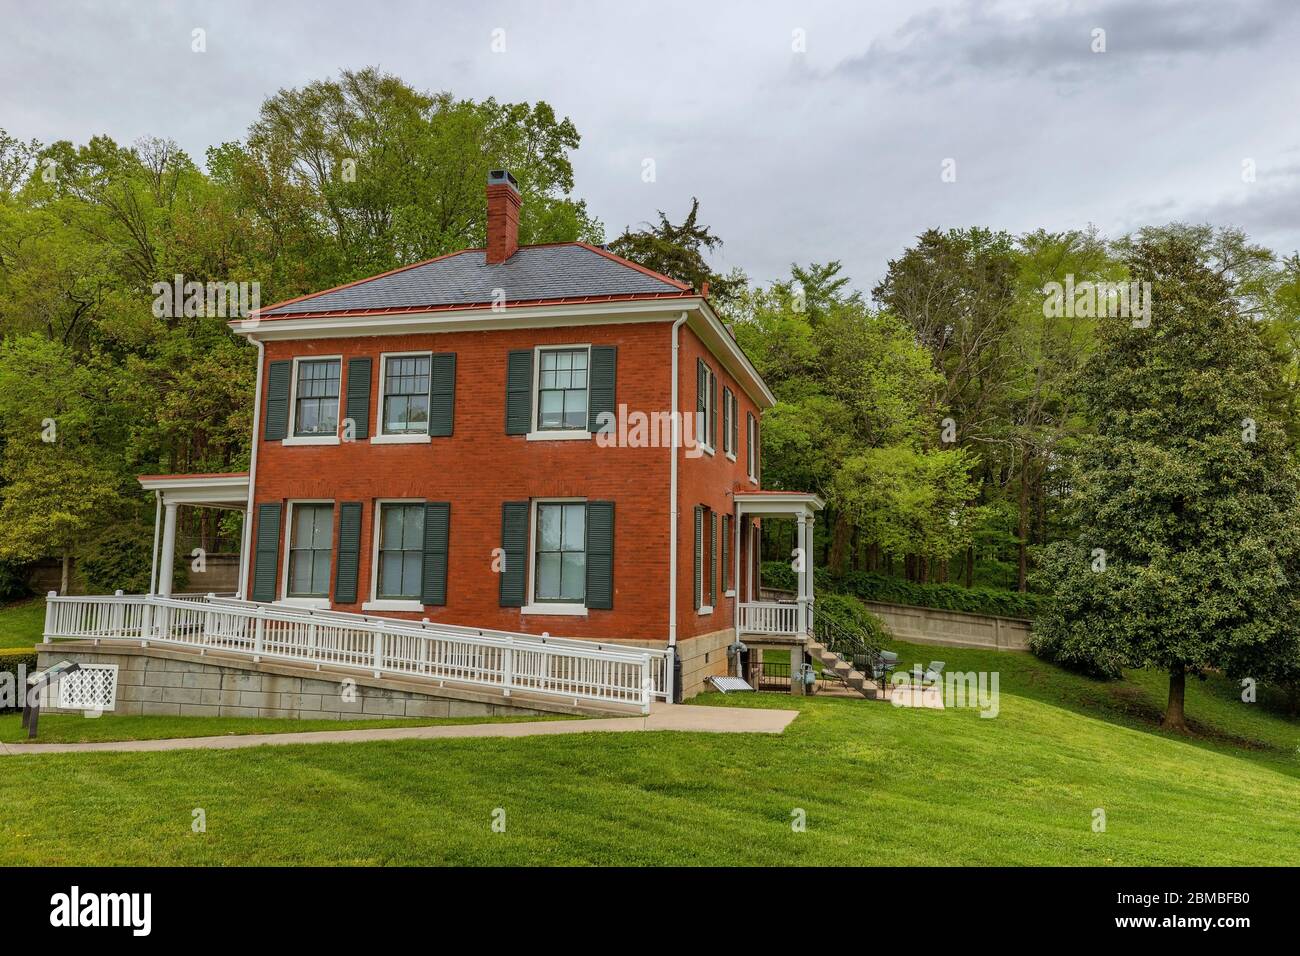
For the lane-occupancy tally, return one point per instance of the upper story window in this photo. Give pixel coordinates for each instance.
(751, 441)
(316, 398)
(560, 572)
(401, 551)
(729, 422)
(562, 389)
(311, 542)
(706, 397)
(406, 394)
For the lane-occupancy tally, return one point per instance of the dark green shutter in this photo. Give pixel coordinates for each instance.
(277, 400)
(600, 555)
(735, 424)
(699, 542)
(519, 392)
(514, 549)
(349, 553)
(726, 553)
(600, 387)
(358, 404)
(437, 528)
(749, 442)
(713, 559)
(713, 413)
(442, 395)
(266, 552)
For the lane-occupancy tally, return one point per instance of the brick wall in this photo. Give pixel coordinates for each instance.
(478, 467)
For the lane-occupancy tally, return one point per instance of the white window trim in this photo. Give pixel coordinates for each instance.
(751, 433)
(546, 607)
(556, 434)
(290, 438)
(376, 603)
(377, 436)
(702, 436)
(322, 604)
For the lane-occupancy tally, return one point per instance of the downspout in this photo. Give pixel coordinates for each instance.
(242, 591)
(672, 492)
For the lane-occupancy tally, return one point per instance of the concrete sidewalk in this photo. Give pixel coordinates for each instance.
(681, 717)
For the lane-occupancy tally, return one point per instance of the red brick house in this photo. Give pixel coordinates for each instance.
(529, 439)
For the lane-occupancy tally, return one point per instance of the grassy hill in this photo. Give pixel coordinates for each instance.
(878, 784)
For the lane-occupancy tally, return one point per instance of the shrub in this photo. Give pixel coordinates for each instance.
(848, 614)
(13, 581)
(121, 558)
(17, 662)
(870, 586)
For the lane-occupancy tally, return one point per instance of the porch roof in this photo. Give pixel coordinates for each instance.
(778, 502)
(224, 490)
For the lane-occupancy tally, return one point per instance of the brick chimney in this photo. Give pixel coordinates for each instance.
(502, 216)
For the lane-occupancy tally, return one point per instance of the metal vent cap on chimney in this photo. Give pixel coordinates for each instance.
(502, 177)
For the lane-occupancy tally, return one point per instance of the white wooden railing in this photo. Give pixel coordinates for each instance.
(568, 669)
(773, 617)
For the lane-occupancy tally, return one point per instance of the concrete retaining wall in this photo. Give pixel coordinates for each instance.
(927, 625)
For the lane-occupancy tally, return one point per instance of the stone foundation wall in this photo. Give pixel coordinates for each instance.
(164, 682)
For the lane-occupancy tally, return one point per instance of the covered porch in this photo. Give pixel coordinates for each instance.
(790, 619)
(227, 492)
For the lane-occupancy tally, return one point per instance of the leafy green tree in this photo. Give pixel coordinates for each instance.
(678, 250)
(1188, 553)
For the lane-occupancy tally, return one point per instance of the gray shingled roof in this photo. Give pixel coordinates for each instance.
(464, 278)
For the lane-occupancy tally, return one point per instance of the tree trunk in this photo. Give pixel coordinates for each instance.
(1022, 584)
(1174, 716)
(841, 532)
(67, 566)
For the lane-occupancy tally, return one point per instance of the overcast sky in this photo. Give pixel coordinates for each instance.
(834, 152)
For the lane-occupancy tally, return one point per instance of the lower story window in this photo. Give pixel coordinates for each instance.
(311, 541)
(401, 550)
(561, 569)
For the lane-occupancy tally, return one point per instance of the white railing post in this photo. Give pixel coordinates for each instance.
(647, 683)
(49, 614)
(146, 623)
(508, 667)
(259, 634)
(379, 652)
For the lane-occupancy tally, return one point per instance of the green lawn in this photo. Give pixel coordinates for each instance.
(878, 785)
(22, 624)
(76, 728)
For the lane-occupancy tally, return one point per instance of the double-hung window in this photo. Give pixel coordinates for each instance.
(562, 389)
(406, 395)
(729, 422)
(751, 441)
(706, 413)
(560, 549)
(311, 542)
(316, 402)
(401, 551)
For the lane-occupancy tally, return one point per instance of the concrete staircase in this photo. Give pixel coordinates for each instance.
(843, 669)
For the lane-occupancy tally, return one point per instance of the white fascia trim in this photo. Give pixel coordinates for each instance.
(718, 338)
(559, 435)
(390, 604)
(414, 439)
(558, 610)
(310, 440)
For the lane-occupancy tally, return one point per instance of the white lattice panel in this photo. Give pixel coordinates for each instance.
(94, 687)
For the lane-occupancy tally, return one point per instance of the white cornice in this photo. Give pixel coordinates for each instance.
(701, 318)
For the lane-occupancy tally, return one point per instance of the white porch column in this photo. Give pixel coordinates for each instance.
(167, 560)
(805, 571)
